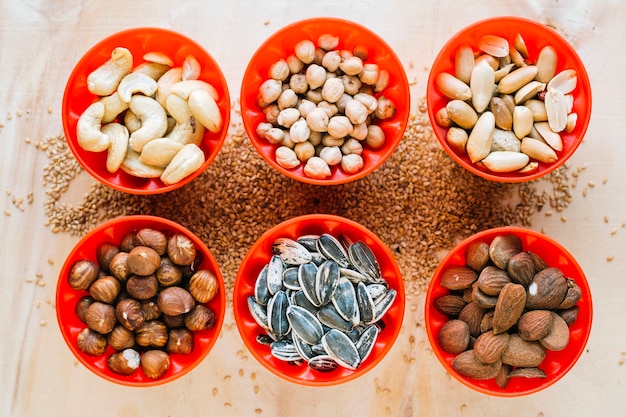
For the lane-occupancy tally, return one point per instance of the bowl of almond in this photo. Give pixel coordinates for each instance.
(508, 311)
(146, 110)
(509, 99)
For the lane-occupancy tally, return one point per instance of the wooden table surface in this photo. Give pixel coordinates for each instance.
(40, 41)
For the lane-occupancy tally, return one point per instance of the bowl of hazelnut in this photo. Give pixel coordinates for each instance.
(146, 110)
(509, 99)
(325, 101)
(140, 300)
(319, 300)
(508, 311)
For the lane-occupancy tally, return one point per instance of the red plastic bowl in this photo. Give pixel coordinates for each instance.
(556, 364)
(536, 36)
(66, 299)
(77, 98)
(259, 255)
(281, 44)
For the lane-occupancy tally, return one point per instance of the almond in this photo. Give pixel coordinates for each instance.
(469, 366)
(472, 314)
(572, 296)
(477, 255)
(502, 249)
(570, 315)
(509, 307)
(535, 324)
(547, 290)
(527, 373)
(482, 299)
(450, 305)
(454, 336)
(521, 268)
(489, 346)
(458, 278)
(558, 336)
(524, 353)
(492, 279)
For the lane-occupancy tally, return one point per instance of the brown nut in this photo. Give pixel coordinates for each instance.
(454, 336)
(180, 341)
(82, 274)
(152, 333)
(521, 268)
(105, 289)
(143, 260)
(118, 267)
(121, 338)
(569, 315)
(572, 296)
(130, 314)
(535, 324)
(458, 278)
(81, 306)
(91, 342)
(104, 253)
(168, 273)
(174, 301)
(200, 318)
(100, 317)
(153, 239)
(547, 290)
(558, 335)
(492, 279)
(125, 362)
(203, 286)
(509, 307)
(128, 242)
(142, 287)
(477, 255)
(181, 249)
(489, 346)
(524, 353)
(174, 322)
(469, 366)
(450, 305)
(472, 314)
(502, 248)
(150, 309)
(155, 363)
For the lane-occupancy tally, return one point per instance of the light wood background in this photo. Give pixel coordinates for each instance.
(40, 41)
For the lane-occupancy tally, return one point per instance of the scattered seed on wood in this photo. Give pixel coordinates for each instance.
(214, 391)
(613, 231)
(43, 322)
(7, 212)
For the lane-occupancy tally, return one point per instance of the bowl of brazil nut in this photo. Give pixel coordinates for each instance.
(508, 311)
(319, 300)
(325, 101)
(140, 301)
(509, 99)
(146, 110)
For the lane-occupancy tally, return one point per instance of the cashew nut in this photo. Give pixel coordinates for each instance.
(132, 165)
(187, 129)
(118, 137)
(188, 160)
(165, 83)
(152, 69)
(205, 110)
(136, 82)
(113, 106)
(131, 121)
(191, 68)
(88, 132)
(186, 87)
(153, 121)
(158, 58)
(159, 152)
(104, 80)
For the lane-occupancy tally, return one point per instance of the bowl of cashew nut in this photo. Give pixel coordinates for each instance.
(146, 110)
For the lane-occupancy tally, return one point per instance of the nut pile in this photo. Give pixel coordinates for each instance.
(320, 105)
(145, 301)
(506, 111)
(506, 308)
(150, 119)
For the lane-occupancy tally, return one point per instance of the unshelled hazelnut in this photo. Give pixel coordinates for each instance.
(105, 289)
(118, 267)
(142, 287)
(82, 305)
(153, 239)
(121, 338)
(168, 274)
(174, 322)
(181, 249)
(125, 362)
(203, 285)
(175, 300)
(150, 309)
(199, 318)
(152, 333)
(129, 313)
(91, 342)
(104, 253)
(82, 274)
(180, 341)
(154, 363)
(100, 317)
(143, 260)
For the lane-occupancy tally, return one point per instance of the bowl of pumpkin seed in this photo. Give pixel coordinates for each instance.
(319, 300)
(509, 99)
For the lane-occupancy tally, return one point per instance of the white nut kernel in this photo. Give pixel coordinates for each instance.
(332, 155)
(299, 131)
(352, 163)
(479, 140)
(305, 51)
(286, 157)
(339, 126)
(333, 90)
(305, 107)
(136, 82)
(288, 116)
(103, 81)
(166, 82)
(317, 119)
(383, 81)
(464, 63)
(315, 76)
(452, 87)
(327, 41)
(369, 74)
(158, 58)
(88, 132)
(356, 112)
(279, 70)
(304, 150)
(352, 65)
(118, 138)
(288, 98)
(191, 68)
(187, 161)
(331, 61)
(153, 121)
(351, 146)
(269, 91)
(113, 107)
(482, 86)
(385, 109)
(317, 168)
(375, 136)
(160, 152)
(186, 87)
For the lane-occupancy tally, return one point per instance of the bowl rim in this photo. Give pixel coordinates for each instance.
(583, 81)
(85, 59)
(402, 82)
(311, 219)
(157, 223)
(489, 234)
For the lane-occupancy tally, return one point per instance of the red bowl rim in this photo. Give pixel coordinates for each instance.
(399, 125)
(309, 220)
(488, 235)
(582, 123)
(76, 151)
(157, 223)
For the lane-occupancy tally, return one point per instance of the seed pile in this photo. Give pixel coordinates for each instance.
(420, 203)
